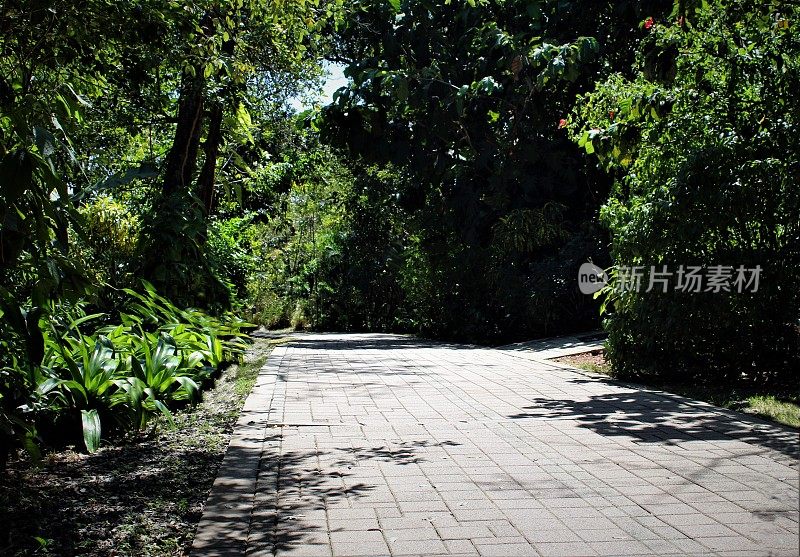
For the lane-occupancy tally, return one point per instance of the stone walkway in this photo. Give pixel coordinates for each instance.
(556, 347)
(389, 445)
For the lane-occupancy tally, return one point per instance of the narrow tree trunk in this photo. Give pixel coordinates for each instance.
(205, 183)
(182, 157)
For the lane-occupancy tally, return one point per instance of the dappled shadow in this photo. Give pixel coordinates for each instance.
(651, 417)
(374, 341)
(96, 504)
(590, 338)
(292, 496)
(277, 499)
(406, 452)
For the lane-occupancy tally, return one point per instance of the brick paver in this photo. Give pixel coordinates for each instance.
(389, 445)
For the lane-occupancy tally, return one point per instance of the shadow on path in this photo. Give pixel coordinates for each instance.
(296, 489)
(373, 341)
(654, 418)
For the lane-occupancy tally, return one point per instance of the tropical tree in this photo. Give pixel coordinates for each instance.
(467, 96)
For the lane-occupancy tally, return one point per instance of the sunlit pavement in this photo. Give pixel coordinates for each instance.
(389, 445)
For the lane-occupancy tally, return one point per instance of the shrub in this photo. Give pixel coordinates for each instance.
(229, 251)
(300, 318)
(110, 228)
(706, 138)
(121, 376)
(264, 305)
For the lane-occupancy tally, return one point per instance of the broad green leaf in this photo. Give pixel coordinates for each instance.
(90, 420)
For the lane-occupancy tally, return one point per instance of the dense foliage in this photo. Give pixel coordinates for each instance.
(481, 151)
(704, 138)
(122, 124)
(467, 97)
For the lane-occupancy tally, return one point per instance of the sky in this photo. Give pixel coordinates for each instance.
(334, 81)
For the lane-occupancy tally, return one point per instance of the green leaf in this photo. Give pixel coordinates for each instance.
(460, 99)
(91, 429)
(141, 172)
(30, 446)
(164, 410)
(244, 122)
(81, 320)
(395, 4)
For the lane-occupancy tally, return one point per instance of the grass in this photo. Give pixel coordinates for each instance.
(774, 405)
(781, 411)
(142, 496)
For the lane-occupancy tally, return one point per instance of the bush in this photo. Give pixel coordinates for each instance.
(300, 318)
(111, 229)
(121, 376)
(706, 137)
(264, 306)
(228, 249)
(109, 243)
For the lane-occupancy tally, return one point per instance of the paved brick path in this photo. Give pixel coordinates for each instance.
(387, 445)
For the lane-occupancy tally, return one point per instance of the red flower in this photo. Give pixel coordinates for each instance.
(681, 21)
(648, 23)
(611, 114)
(562, 123)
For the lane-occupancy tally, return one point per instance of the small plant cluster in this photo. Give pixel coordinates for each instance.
(118, 379)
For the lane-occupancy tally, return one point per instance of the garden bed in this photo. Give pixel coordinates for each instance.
(142, 496)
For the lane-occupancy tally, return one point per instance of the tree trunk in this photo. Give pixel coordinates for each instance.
(182, 157)
(205, 183)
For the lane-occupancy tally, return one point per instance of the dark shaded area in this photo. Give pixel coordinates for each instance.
(387, 341)
(375, 342)
(742, 396)
(292, 492)
(658, 417)
(76, 504)
(144, 495)
(579, 340)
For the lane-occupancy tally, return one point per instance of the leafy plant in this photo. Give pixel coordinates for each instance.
(160, 376)
(121, 376)
(84, 371)
(704, 138)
